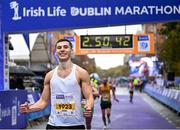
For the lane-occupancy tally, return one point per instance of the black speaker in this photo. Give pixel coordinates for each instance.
(171, 76)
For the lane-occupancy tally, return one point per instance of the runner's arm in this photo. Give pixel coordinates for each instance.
(113, 92)
(86, 87)
(42, 102)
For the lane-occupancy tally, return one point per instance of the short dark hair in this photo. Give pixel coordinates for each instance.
(64, 40)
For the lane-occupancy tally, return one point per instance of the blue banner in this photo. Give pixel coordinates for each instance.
(2, 52)
(10, 116)
(35, 15)
(27, 40)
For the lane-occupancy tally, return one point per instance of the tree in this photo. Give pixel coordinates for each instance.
(168, 51)
(113, 72)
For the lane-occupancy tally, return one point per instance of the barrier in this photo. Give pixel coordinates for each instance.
(169, 97)
(10, 116)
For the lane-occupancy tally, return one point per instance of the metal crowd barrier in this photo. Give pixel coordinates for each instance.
(168, 97)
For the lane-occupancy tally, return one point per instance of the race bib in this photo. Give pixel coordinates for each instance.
(65, 104)
(105, 96)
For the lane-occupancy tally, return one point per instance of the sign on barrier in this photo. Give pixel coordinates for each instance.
(10, 116)
(32, 98)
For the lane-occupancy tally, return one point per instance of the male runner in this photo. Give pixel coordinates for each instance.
(62, 87)
(104, 91)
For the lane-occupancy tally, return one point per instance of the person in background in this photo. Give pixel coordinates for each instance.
(136, 83)
(141, 84)
(64, 87)
(13, 82)
(131, 90)
(113, 83)
(20, 82)
(104, 91)
(95, 86)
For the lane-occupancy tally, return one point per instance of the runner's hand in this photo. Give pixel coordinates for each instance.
(87, 110)
(24, 108)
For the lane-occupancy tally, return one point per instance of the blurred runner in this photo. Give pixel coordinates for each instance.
(141, 85)
(131, 89)
(113, 84)
(95, 86)
(136, 82)
(104, 91)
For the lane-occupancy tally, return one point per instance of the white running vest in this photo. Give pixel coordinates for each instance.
(65, 100)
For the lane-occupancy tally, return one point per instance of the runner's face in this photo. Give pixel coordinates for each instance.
(104, 81)
(64, 51)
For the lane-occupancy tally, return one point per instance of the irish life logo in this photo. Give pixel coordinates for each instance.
(143, 43)
(15, 6)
